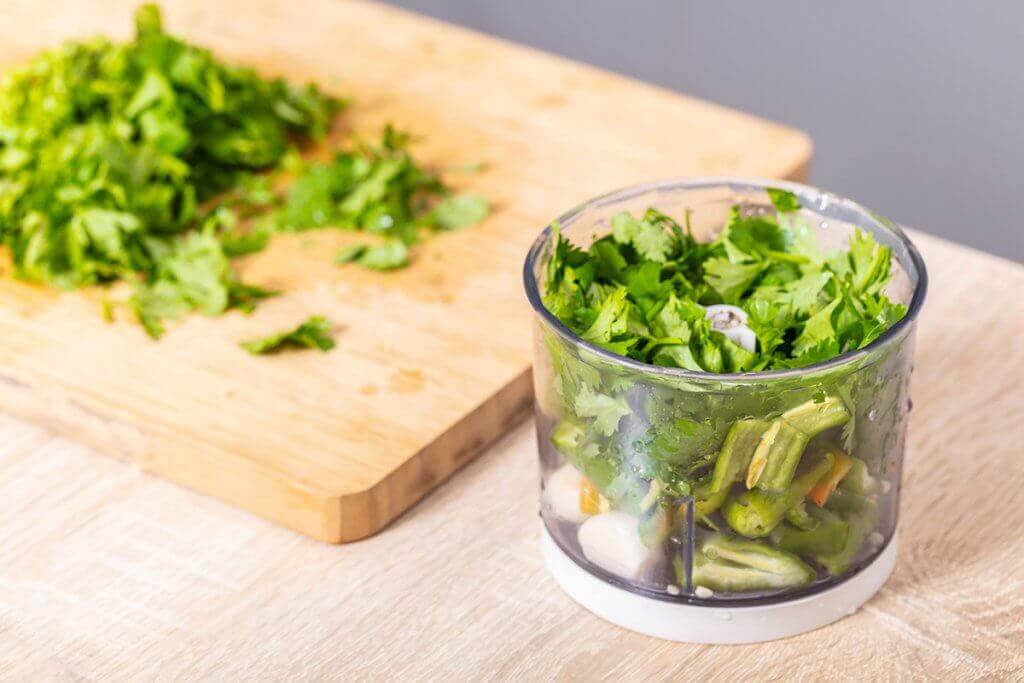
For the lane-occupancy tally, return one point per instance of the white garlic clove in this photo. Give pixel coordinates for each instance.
(742, 336)
(732, 322)
(611, 540)
(562, 493)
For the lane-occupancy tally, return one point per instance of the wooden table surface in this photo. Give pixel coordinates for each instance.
(109, 573)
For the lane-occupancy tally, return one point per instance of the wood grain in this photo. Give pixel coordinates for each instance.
(431, 363)
(111, 574)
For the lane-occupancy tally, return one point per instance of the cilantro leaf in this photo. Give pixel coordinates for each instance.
(611, 319)
(606, 410)
(783, 200)
(349, 253)
(750, 237)
(313, 333)
(731, 280)
(650, 240)
(818, 329)
(387, 256)
(459, 210)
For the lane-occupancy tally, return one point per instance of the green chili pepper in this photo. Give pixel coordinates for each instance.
(799, 517)
(737, 450)
(859, 479)
(568, 436)
(849, 504)
(776, 457)
(706, 500)
(782, 445)
(829, 535)
(815, 417)
(729, 564)
(861, 515)
(755, 513)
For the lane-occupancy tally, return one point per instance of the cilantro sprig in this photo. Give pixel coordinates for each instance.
(313, 333)
(642, 290)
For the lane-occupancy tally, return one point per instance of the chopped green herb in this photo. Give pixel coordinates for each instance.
(107, 150)
(378, 189)
(153, 162)
(461, 210)
(314, 333)
(644, 291)
(349, 254)
(783, 200)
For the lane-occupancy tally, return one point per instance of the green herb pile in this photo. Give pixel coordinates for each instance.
(148, 161)
(641, 291)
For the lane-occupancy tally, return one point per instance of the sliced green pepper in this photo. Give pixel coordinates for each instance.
(829, 535)
(782, 445)
(567, 436)
(861, 514)
(776, 457)
(729, 564)
(815, 417)
(849, 504)
(755, 513)
(800, 518)
(859, 479)
(705, 500)
(737, 450)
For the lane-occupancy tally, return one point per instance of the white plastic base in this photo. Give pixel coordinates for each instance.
(716, 625)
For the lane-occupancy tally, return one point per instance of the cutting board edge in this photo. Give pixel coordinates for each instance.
(314, 511)
(457, 446)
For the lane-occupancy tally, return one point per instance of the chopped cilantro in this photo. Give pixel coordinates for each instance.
(108, 149)
(314, 333)
(153, 162)
(378, 189)
(460, 210)
(642, 291)
(783, 200)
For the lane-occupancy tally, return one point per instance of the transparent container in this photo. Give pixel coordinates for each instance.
(612, 461)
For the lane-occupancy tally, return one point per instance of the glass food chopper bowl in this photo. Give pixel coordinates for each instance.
(715, 561)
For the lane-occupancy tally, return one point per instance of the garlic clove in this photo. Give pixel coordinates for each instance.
(612, 541)
(732, 322)
(562, 493)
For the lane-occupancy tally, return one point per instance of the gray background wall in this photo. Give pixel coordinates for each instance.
(915, 107)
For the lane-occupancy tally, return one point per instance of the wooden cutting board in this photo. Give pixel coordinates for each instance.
(432, 361)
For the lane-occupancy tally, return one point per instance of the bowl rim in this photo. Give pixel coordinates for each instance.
(737, 183)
